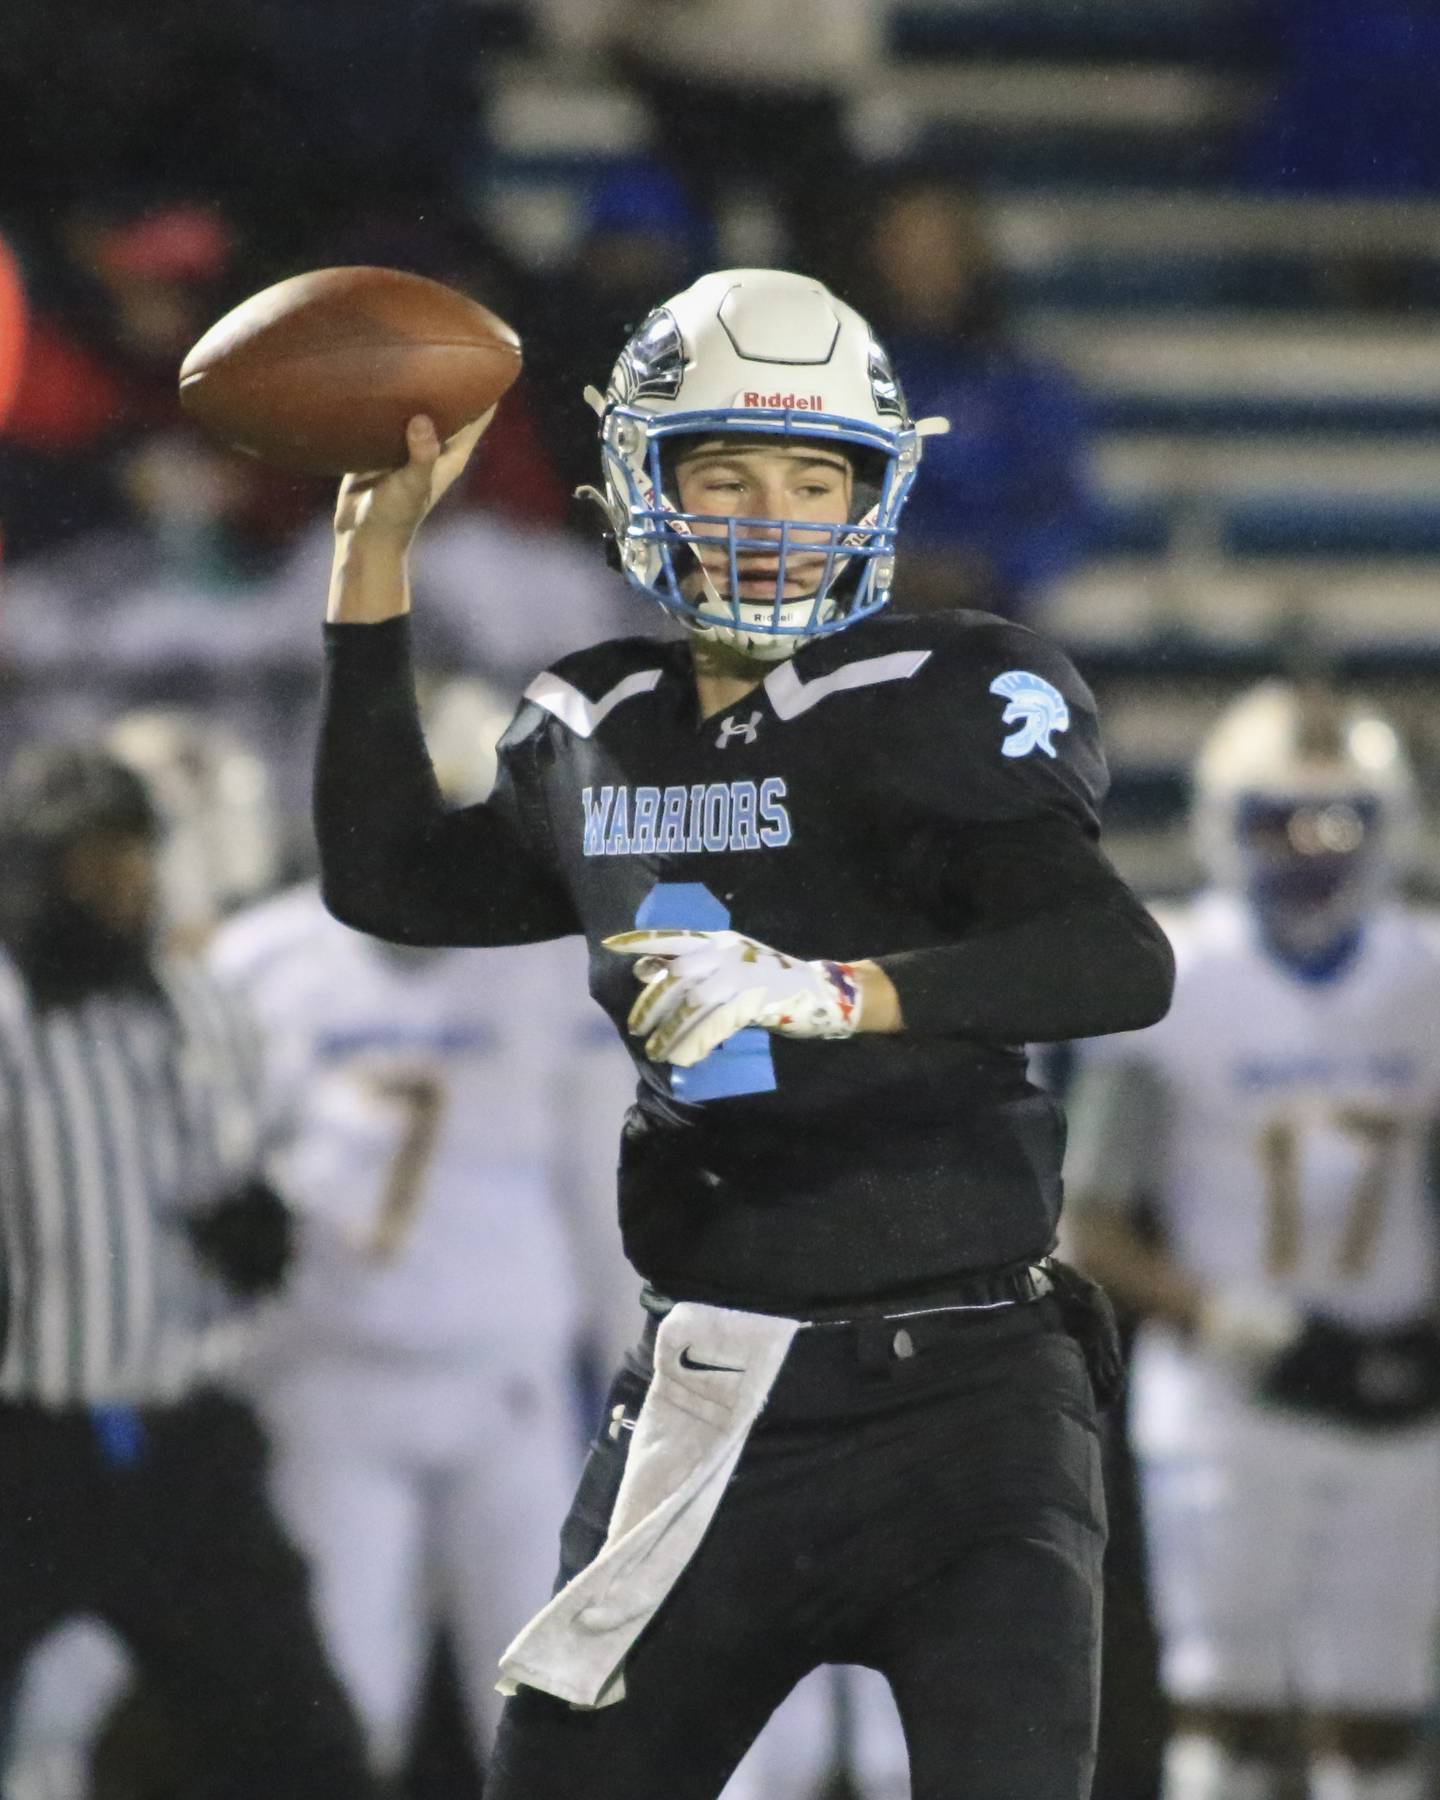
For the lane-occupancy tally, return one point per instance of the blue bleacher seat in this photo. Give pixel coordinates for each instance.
(1208, 33)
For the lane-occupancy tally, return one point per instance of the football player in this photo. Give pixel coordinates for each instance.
(418, 1386)
(834, 869)
(1253, 1176)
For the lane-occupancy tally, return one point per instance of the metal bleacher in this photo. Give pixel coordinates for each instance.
(1262, 368)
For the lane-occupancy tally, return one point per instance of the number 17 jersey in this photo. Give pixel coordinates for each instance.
(1299, 1115)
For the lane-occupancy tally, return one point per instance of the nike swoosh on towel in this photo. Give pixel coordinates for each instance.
(688, 1362)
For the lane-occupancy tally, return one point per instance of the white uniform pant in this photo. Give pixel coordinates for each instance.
(843, 1716)
(1296, 1563)
(71, 1680)
(423, 1491)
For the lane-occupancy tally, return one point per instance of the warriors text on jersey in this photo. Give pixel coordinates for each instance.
(919, 792)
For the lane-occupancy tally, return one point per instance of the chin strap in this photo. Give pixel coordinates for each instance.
(610, 534)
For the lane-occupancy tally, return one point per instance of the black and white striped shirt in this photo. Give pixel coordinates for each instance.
(118, 1117)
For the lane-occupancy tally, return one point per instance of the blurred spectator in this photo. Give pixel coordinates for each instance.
(199, 596)
(116, 302)
(749, 100)
(641, 237)
(138, 1236)
(1353, 107)
(122, 301)
(193, 598)
(1003, 508)
(180, 596)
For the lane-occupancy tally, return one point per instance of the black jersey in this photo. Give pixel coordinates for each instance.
(919, 792)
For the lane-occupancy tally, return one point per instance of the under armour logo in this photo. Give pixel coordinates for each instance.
(1035, 706)
(729, 729)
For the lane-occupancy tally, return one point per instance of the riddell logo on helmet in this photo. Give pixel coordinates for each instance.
(794, 402)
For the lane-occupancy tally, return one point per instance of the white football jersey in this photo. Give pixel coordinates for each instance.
(1297, 1114)
(431, 1103)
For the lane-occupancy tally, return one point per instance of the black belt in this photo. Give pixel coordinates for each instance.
(987, 1291)
(891, 1332)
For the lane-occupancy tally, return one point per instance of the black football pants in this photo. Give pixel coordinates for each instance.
(167, 1535)
(936, 1515)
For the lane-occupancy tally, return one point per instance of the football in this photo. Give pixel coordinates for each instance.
(319, 374)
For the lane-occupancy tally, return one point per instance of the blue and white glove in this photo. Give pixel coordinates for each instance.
(701, 987)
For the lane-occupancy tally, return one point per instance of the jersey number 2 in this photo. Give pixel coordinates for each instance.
(743, 1064)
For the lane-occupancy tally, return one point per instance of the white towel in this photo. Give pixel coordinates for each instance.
(687, 1439)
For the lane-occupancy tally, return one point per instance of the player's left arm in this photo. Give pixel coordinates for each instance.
(1054, 945)
(1003, 781)
(1004, 778)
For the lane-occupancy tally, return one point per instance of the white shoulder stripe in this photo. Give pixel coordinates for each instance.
(571, 707)
(790, 696)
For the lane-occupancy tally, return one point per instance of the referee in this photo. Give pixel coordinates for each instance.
(131, 1483)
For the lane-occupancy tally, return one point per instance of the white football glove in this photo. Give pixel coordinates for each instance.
(701, 987)
(1248, 1325)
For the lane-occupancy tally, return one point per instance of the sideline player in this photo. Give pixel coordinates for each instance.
(856, 1427)
(1286, 1388)
(138, 1238)
(216, 846)
(419, 1382)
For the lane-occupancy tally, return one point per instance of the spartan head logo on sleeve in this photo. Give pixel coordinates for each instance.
(1035, 707)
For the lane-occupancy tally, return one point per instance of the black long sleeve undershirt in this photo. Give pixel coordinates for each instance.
(1050, 942)
(1054, 945)
(394, 860)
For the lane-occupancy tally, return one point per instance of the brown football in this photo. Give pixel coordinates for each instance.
(319, 374)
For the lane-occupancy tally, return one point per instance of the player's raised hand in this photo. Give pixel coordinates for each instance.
(392, 503)
(701, 987)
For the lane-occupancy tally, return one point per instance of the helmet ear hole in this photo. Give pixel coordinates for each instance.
(869, 484)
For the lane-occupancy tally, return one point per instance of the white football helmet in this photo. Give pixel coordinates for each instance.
(765, 354)
(216, 802)
(464, 719)
(1304, 800)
